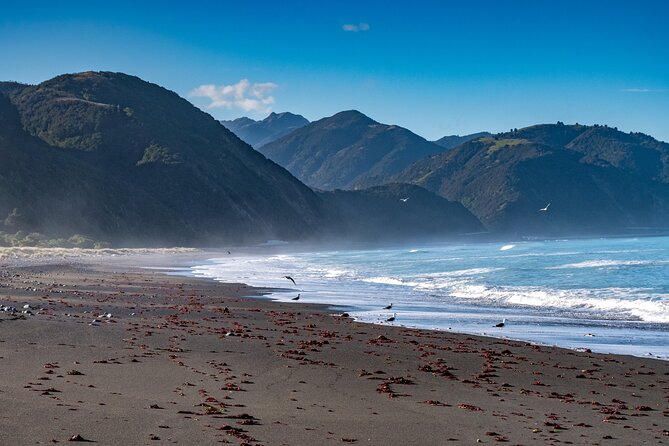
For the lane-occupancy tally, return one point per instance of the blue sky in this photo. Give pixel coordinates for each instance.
(435, 67)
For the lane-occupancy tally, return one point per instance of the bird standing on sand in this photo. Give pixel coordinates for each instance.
(388, 307)
(392, 318)
(290, 278)
(501, 324)
(404, 200)
(545, 209)
(296, 297)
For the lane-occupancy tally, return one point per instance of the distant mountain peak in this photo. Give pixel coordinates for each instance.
(351, 115)
(286, 119)
(347, 150)
(243, 119)
(258, 133)
(275, 115)
(351, 112)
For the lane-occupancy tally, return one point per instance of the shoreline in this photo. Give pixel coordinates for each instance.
(171, 261)
(267, 372)
(525, 324)
(334, 310)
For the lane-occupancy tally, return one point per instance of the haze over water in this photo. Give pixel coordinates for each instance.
(609, 295)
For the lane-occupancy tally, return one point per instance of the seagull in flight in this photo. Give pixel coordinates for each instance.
(501, 324)
(545, 209)
(388, 307)
(404, 200)
(290, 278)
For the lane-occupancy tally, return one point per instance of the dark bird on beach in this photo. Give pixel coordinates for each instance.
(229, 252)
(392, 318)
(501, 324)
(388, 307)
(290, 278)
(296, 297)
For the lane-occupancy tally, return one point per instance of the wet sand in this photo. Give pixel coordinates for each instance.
(173, 366)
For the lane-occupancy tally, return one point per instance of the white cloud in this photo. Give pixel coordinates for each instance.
(353, 28)
(243, 95)
(644, 90)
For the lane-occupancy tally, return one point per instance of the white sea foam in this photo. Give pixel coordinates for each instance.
(389, 281)
(332, 273)
(466, 272)
(616, 303)
(605, 263)
(463, 285)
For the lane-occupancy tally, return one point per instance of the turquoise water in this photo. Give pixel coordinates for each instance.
(609, 295)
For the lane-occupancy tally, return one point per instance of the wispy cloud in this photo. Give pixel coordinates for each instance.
(353, 28)
(644, 90)
(243, 95)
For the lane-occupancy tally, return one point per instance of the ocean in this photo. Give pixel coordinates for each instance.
(609, 295)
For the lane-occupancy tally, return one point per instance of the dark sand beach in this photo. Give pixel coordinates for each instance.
(115, 354)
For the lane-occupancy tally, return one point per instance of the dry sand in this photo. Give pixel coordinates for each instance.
(172, 366)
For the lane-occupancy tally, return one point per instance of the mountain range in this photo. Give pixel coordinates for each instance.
(273, 127)
(597, 180)
(119, 159)
(347, 151)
